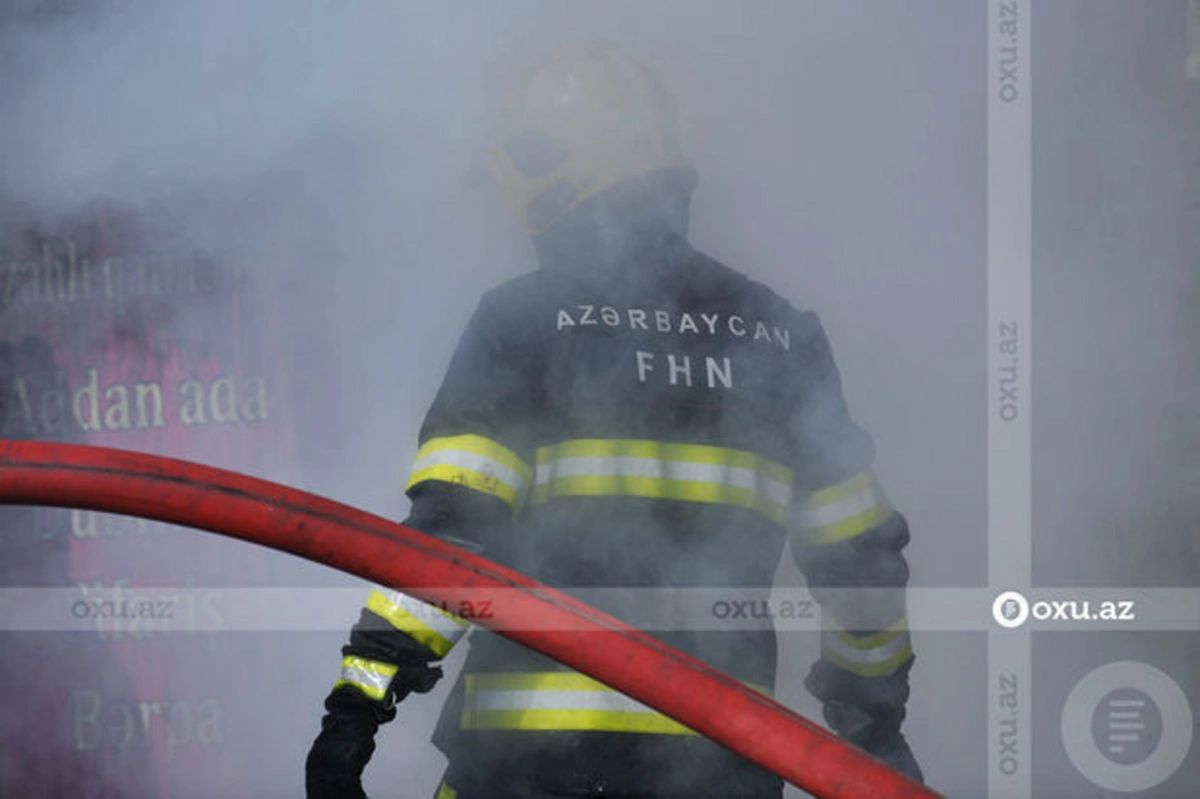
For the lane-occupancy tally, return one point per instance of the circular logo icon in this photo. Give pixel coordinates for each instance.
(1127, 726)
(1010, 609)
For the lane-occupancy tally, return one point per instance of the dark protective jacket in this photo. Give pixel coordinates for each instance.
(670, 424)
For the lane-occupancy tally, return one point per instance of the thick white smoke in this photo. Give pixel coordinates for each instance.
(841, 147)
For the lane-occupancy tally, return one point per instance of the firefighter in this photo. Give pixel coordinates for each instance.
(633, 414)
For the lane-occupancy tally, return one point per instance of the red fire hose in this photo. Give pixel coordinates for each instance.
(532, 614)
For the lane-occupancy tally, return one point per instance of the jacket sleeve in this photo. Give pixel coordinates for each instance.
(469, 480)
(847, 539)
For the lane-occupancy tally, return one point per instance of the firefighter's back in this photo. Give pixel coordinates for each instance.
(660, 491)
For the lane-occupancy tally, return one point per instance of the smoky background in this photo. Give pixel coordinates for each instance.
(329, 149)
(1116, 383)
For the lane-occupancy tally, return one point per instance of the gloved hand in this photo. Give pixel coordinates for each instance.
(867, 711)
(345, 744)
(896, 753)
(876, 733)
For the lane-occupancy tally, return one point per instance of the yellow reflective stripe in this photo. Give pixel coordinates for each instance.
(881, 668)
(549, 681)
(662, 470)
(558, 701)
(427, 624)
(874, 655)
(372, 677)
(663, 450)
(478, 445)
(479, 481)
(652, 488)
(847, 528)
(843, 511)
(872, 641)
(838, 492)
(446, 792)
(533, 681)
(475, 462)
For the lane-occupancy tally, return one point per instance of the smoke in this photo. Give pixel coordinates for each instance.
(327, 150)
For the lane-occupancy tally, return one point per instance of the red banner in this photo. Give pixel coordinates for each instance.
(115, 337)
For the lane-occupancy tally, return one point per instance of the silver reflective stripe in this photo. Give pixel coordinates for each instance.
(554, 700)
(446, 625)
(370, 676)
(474, 462)
(659, 469)
(872, 656)
(378, 683)
(557, 701)
(869, 498)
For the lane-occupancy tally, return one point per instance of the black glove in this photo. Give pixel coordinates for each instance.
(877, 734)
(897, 754)
(867, 711)
(346, 742)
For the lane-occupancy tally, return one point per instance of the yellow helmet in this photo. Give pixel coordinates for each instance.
(587, 118)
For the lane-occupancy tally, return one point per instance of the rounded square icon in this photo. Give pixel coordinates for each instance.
(1127, 726)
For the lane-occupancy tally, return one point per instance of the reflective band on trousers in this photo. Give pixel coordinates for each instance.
(372, 677)
(427, 624)
(557, 701)
(842, 511)
(875, 655)
(661, 470)
(475, 462)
